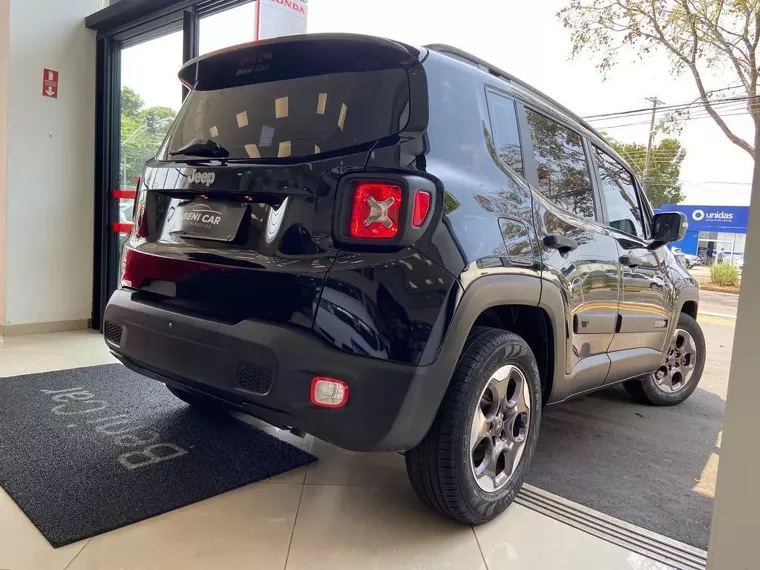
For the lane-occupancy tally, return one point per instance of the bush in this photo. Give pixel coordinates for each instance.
(724, 274)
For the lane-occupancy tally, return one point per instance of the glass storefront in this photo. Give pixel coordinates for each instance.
(139, 94)
(732, 245)
(150, 97)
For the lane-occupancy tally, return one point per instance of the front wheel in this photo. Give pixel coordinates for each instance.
(473, 461)
(677, 378)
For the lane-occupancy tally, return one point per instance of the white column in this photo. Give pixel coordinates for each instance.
(735, 533)
(4, 58)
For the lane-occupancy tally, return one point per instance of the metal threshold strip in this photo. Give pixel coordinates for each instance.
(629, 536)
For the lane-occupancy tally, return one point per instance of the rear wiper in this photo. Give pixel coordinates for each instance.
(202, 147)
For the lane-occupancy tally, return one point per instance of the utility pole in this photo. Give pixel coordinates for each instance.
(655, 102)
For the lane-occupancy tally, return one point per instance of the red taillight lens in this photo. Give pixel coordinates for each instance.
(421, 208)
(139, 218)
(129, 276)
(375, 211)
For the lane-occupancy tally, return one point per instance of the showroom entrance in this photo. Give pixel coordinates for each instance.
(141, 46)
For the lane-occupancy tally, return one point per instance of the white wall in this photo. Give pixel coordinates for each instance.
(50, 142)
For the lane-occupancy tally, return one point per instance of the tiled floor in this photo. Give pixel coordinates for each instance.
(347, 510)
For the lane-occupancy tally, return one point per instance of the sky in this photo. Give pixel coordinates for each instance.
(525, 39)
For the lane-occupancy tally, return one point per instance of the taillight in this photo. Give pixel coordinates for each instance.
(139, 219)
(127, 269)
(383, 211)
(421, 208)
(375, 211)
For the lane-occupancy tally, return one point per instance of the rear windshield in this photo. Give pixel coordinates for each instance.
(295, 117)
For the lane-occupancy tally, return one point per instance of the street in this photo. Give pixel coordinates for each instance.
(652, 466)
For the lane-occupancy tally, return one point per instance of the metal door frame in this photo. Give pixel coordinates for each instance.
(121, 25)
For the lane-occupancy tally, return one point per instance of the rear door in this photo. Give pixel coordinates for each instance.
(577, 251)
(648, 293)
(235, 214)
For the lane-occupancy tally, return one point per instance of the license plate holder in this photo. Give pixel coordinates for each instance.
(204, 219)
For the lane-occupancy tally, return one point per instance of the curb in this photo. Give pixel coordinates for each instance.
(720, 315)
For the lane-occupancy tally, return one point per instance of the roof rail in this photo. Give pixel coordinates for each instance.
(493, 70)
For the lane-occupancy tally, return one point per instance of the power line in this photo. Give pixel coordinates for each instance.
(718, 182)
(679, 106)
(685, 119)
(727, 113)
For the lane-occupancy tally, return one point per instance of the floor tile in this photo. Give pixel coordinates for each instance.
(22, 546)
(522, 539)
(362, 527)
(55, 343)
(340, 467)
(356, 511)
(13, 363)
(65, 362)
(250, 527)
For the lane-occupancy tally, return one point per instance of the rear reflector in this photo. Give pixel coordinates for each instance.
(375, 211)
(328, 392)
(421, 208)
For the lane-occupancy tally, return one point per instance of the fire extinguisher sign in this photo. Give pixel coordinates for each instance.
(50, 83)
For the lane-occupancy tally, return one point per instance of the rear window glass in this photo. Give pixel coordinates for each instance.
(295, 117)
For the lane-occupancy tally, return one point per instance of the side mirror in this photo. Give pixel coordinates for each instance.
(667, 228)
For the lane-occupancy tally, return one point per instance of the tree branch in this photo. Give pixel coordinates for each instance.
(738, 141)
(722, 43)
(714, 32)
(752, 105)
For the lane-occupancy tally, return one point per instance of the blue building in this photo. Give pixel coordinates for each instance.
(712, 228)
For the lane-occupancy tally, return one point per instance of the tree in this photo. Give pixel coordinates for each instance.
(131, 102)
(663, 186)
(699, 36)
(142, 131)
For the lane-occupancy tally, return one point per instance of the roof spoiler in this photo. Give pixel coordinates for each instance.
(289, 57)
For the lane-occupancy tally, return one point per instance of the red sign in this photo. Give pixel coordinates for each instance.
(50, 83)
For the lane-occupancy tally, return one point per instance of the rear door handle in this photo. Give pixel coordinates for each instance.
(561, 243)
(631, 261)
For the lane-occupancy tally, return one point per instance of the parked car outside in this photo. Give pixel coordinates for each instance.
(398, 249)
(688, 260)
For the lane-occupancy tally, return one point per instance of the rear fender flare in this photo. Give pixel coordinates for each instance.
(686, 294)
(431, 382)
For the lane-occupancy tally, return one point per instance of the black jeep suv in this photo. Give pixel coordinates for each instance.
(398, 248)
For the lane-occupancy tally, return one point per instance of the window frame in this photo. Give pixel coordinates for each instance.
(489, 90)
(530, 166)
(644, 207)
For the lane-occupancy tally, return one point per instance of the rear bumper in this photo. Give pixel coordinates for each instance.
(266, 370)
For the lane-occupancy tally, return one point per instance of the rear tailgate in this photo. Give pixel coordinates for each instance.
(247, 232)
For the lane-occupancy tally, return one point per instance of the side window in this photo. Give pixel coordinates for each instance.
(505, 133)
(563, 173)
(619, 189)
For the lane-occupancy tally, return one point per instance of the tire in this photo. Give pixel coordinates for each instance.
(653, 390)
(441, 468)
(197, 402)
